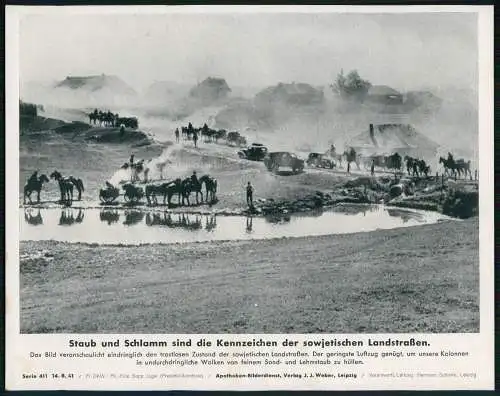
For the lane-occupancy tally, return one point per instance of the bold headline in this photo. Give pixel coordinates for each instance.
(202, 342)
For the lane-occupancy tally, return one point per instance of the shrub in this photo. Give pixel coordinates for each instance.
(27, 109)
(461, 204)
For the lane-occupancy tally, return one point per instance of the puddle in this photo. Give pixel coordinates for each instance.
(132, 226)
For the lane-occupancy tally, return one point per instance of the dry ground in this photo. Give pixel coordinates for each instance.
(421, 279)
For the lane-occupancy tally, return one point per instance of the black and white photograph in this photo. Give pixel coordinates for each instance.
(248, 172)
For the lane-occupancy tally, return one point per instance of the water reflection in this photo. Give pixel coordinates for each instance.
(249, 224)
(278, 218)
(33, 219)
(133, 217)
(404, 215)
(354, 209)
(109, 216)
(180, 220)
(68, 218)
(112, 225)
(210, 223)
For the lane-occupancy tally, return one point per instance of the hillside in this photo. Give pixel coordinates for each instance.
(97, 83)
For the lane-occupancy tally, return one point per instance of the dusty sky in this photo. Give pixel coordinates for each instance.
(402, 50)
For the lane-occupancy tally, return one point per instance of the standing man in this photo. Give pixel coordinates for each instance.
(249, 195)
(348, 166)
(177, 135)
(373, 168)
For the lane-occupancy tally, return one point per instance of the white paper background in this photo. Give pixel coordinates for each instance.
(480, 346)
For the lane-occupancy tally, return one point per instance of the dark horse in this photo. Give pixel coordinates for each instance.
(65, 186)
(210, 186)
(167, 190)
(34, 185)
(448, 164)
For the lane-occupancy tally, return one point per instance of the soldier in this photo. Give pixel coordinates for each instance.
(249, 195)
(194, 178)
(33, 177)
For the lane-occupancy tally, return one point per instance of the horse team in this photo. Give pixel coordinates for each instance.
(416, 167)
(210, 135)
(66, 185)
(182, 188)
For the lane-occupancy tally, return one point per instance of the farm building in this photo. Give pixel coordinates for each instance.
(386, 139)
(383, 94)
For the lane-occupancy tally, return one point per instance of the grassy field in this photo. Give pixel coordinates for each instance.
(422, 279)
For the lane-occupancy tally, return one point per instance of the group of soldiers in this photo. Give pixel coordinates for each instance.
(191, 131)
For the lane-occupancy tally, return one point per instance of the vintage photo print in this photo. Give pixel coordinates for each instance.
(243, 170)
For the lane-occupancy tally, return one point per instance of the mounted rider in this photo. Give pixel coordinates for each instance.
(332, 151)
(33, 177)
(194, 179)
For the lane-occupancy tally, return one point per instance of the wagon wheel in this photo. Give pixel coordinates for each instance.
(109, 199)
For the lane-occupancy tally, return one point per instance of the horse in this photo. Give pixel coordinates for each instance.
(220, 134)
(65, 186)
(462, 166)
(351, 156)
(423, 168)
(210, 187)
(164, 189)
(242, 141)
(196, 187)
(93, 118)
(233, 138)
(78, 183)
(410, 164)
(393, 161)
(186, 187)
(34, 185)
